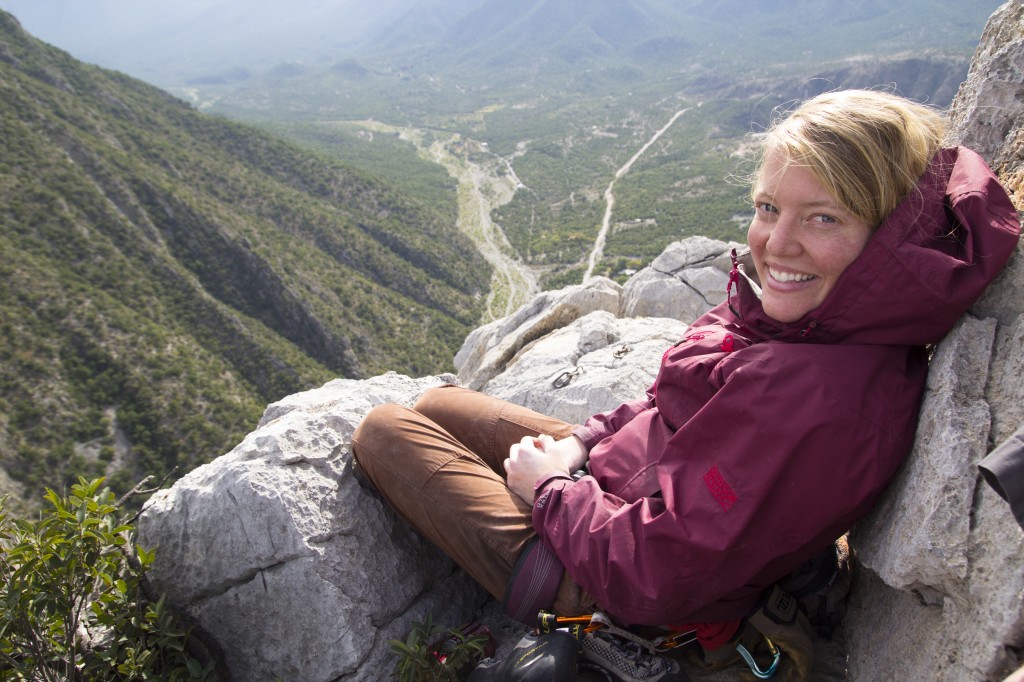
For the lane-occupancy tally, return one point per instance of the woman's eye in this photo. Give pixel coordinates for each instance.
(765, 207)
(826, 219)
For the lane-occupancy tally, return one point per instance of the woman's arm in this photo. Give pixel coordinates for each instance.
(600, 426)
(781, 460)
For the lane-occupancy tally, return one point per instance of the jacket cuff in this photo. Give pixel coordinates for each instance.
(544, 480)
(589, 437)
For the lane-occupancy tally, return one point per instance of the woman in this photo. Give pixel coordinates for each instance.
(773, 425)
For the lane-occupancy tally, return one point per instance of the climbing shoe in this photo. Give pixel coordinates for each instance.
(546, 658)
(628, 661)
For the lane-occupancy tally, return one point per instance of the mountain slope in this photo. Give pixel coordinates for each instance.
(164, 274)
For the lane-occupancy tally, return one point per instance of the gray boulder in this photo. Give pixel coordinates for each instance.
(296, 570)
(687, 279)
(593, 365)
(487, 349)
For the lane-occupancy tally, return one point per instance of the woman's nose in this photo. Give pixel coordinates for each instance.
(784, 237)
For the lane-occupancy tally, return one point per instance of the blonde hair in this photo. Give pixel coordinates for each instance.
(867, 148)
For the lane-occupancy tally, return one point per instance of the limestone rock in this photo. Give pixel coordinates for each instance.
(939, 585)
(487, 349)
(298, 571)
(591, 366)
(987, 110)
(687, 279)
(916, 538)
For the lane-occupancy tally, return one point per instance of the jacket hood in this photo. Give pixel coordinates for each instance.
(922, 269)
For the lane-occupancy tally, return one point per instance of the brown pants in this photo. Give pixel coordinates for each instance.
(439, 465)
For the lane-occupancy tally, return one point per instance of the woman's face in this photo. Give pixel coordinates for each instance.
(801, 239)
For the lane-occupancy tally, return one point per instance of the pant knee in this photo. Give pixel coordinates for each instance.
(374, 430)
(434, 400)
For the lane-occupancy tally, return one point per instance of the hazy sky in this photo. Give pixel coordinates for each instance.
(130, 35)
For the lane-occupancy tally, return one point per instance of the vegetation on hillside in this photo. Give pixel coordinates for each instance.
(165, 274)
(568, 124)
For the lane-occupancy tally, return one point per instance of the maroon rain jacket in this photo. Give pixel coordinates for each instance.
(760, 443)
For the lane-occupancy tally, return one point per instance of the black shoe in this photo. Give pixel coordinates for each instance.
(547, 658)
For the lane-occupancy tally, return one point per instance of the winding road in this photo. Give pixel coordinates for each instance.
(481, 189)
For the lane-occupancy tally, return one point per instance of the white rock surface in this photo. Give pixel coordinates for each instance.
(602, 361)
(689, 278)
(278, 552)
(487, 349)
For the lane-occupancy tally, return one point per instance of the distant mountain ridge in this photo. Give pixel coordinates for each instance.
(163, 274)
(467, 38)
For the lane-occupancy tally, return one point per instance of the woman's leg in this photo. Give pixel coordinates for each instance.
(449, 487)
(485, 425)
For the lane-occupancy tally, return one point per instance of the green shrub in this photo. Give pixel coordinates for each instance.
(72, 604)
(435, 654)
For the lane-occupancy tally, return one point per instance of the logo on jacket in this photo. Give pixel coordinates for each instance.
(720, 490)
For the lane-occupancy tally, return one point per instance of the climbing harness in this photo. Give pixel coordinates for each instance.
(600, 621)
(578, 626)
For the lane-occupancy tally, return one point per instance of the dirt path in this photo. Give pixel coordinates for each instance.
(481, 189)
(598, 251)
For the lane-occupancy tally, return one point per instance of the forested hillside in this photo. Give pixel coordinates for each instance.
(165, 274)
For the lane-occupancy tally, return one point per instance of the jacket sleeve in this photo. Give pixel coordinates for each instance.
(764, 470)
(600, 426)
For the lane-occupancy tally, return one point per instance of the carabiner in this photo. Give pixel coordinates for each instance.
(565, 378)
(752, 664)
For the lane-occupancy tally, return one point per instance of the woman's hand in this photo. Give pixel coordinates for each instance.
(533, 458)
(571, 450)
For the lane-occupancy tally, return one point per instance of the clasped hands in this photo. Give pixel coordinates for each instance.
(533, 458)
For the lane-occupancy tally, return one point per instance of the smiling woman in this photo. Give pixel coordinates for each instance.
(774, 424)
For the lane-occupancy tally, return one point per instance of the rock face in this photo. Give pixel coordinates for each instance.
(300, 573)
(985, 115)
(940, 573)
(279, 553)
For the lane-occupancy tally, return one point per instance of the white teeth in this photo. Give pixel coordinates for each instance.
(789, 276)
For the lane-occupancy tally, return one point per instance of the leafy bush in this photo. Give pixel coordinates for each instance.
(72, 604)
(435, 654)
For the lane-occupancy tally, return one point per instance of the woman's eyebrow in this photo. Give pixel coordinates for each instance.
(829, 203)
